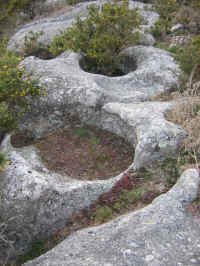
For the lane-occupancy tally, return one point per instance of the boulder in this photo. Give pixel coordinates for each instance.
(42, 201)
(35, 202)
(160, 234)
(53, 26)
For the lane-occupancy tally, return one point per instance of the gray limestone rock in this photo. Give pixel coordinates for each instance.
(53, 26)
(43, 201)
(72, 91)
(147, 39)
(177, 27)
(54, 2)
(161, 234)
(35, 202)
(145, 127)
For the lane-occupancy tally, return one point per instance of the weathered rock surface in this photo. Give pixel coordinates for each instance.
(39, 201)
(53, 26)
(70, 90)
(108, 102)
(54, 2)
(161, 234)
(43, 201)
(145, 127)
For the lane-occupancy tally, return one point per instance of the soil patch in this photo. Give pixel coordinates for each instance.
(86, 153)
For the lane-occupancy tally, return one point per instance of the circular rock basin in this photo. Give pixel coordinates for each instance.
(82, 152)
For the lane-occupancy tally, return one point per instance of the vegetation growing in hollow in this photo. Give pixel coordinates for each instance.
(101, 37)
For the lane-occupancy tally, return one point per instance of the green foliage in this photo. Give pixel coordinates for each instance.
(101, 37)
(16, 91)
(31, 43)
(93, 143)
(73, 2)
(81, 132)
(132, 195)
(37, 248)
(145, 174)
(165, 9)
(161, 28)
(3, 162)
(171, 167)
(188, 57)
(102, 214)
(8, 7)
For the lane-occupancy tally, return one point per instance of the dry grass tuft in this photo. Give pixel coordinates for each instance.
(186, 113)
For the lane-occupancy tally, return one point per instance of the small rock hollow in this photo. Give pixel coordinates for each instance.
(82, 152)
(127, 64)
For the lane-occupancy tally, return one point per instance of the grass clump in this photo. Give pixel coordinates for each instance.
(101, 37)
(103, 214)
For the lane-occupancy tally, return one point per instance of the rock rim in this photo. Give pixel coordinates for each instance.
(36, 202)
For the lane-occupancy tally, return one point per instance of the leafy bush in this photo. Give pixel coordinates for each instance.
(188, 57)
(165, 9)
(3, 162)
(100, 38)
(8, 7)
(14, 89)
(32, 45)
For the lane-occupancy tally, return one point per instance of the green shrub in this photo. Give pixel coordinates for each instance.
(165, 9)
(16, 91)
(9, 7)
(32, 45)
(3, 162)
(101, 37)
(188, 57)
